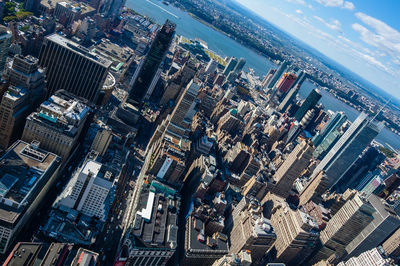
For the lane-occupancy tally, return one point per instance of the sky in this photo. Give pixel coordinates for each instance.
(362, 35)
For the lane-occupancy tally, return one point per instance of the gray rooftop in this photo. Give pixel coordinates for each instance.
(22, 169)
(193, 245)
(74, 47)
(156, 221)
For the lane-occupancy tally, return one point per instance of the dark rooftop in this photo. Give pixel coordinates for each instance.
(22, 169)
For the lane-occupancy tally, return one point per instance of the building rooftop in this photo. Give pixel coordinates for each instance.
(119, 55)
(56, 254)
(85, 257)
(15, 93)
(62, 113)
(155, 223)
(83, 51)
(22, 170)
(24, 253)
(196, 242)
(82, 7)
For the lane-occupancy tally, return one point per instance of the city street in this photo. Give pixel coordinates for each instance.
(107, 241)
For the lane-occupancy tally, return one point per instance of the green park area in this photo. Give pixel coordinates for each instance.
(14, 11)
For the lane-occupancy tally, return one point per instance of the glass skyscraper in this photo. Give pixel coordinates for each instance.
(151, 64)
(346, 151)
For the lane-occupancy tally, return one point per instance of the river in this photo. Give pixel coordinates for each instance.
(225, 46)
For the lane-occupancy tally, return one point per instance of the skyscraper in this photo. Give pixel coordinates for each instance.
(348, 148)
(72, 67)
(296, 235)
(144, 83)
(239, 66)
(86, 192)
(294, 164)
(281, 69)
(230, 65)
(283, 85)
(344, 226)
(26, 91)
(252, 232)
(384, 223)
(309, 103)
(5, 41)
(182, 115)
(115, 8)
(358, 174)
(314, 189)
(336, 121)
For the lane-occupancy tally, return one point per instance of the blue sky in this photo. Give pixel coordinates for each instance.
(362, 35)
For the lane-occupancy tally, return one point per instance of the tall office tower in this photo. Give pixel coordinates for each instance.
(27, 173)
(176, 85)
(147, 76)
(86, 192)
(168, 163)
(211, 67)
(314, 189)
(115, 8)
(230, 122)
(277, 75)
(230, 65)
(267, 78)
(243, 258)
(57, 124)
(329, 141)
(284, 84)
(309, 103)
(255, 187)
(14, 108)
(348, 148)
(293, 165)
(358, 175)
(373, 257)
(182, 115)
(239, 66)
(72, 67)
(296, 235)
(26, 92)
(252, 232)
(24, 72)
(289, 99)
(251, 169)
(392, 245)
(335, 122)
(385, 222)
(102, 139)
(301, 77)
(344, 226)
(5, 41)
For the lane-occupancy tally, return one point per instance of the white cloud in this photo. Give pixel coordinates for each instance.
(298, 11)
(379, 35)
(337, 3)
(348, 5)
(332, 3)
(300, 2)
(333, 24)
